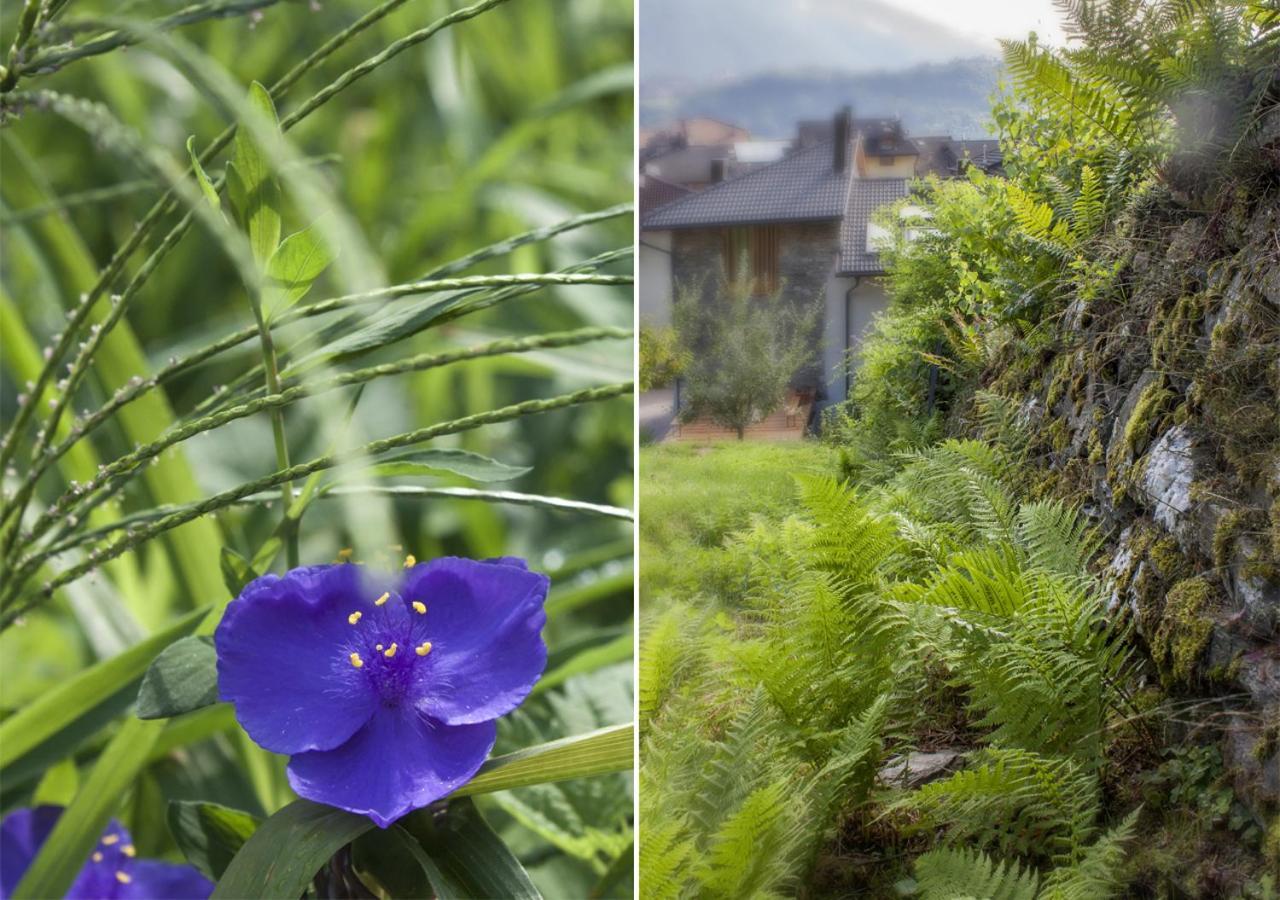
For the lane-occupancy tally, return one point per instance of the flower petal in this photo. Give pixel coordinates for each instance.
(98, 880)
(400, 761)
(150, 879)
(484, 621)
(283, 658)
(22, 833)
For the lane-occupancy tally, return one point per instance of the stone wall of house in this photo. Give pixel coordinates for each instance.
(1159, 411)
(806, 262)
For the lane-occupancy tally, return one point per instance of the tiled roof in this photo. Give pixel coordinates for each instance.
(798, 187)
(654, 192)
(866, 195)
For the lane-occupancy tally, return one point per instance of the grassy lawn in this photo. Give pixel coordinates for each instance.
(693, 496)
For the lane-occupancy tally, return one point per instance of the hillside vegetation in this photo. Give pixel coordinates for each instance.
(1021, 640)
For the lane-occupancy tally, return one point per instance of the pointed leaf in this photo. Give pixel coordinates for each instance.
(205, 184)
(446, 461)
(236, 571)
(259, 206)
(287, 850)
(606, 750)
(464, 857)
(210, 835)
(183, 678)
(295, 264)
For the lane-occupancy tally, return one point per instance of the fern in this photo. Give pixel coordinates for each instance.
(750, 853)
(1013, 800)
(1097, 873)
(665, 855)
(952, 873)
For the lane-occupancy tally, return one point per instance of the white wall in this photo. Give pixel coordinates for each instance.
(867, 299)
(654, 288)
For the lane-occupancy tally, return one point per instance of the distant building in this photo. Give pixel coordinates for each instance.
(804, 223)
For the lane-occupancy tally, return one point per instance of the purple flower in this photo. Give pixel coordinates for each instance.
(384, 690)
(112, 871)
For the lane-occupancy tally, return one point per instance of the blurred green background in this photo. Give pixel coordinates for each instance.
(518, 119)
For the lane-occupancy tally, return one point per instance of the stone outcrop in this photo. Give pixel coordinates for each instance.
(1159, 411)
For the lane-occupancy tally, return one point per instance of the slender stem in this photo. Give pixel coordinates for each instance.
(163, 207)
(177, 366)
(29, 565)
(112, 473)
(52, 60)
(269, 363)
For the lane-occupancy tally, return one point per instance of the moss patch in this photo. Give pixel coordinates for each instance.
(1152, 404)
(1185, 628)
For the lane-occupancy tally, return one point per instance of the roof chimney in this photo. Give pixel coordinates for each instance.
(840, 134)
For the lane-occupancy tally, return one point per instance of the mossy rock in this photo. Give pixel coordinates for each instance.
(1186, 626)
(1153, 403)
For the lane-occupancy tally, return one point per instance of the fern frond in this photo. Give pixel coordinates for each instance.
(748, 856)
(1014, 800)
(948, 874)
(665, 857)
(1056, 538)
(1096, 876)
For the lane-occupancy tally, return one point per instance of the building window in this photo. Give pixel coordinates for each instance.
(887, 160)
(757, 246)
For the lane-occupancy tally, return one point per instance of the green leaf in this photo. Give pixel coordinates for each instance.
(588, 660)
(463, 856)
(236, 571)
(444, 461)
(183, 678)
(81, 696)
(292, 268)
(606, 750)
(258, 195)
(287, 850)
(210, 835)
(58, 785)
(205, 184)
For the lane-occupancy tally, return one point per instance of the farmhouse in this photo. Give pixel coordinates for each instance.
(804, 224)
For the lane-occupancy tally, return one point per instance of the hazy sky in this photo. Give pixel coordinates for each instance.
(703, 41)
(989, 19)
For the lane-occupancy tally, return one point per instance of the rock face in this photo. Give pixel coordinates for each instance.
(917, 768)
(1159, 412)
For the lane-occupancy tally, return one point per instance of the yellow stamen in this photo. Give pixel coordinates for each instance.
(356, 660)
(354, 617)
(381, 600)
(410, 561)
(128, 850)
(423, 649)
(123, 878)
(110, 839)
(97, 856)
(345, 553)
(419, 607)
(390, 651)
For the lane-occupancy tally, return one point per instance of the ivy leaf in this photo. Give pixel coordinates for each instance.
(256, 196)
(208, 834)
(183, 678)
(205, 184)
(292, 268)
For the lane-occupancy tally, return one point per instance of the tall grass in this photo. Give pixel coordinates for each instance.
(173, 427)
